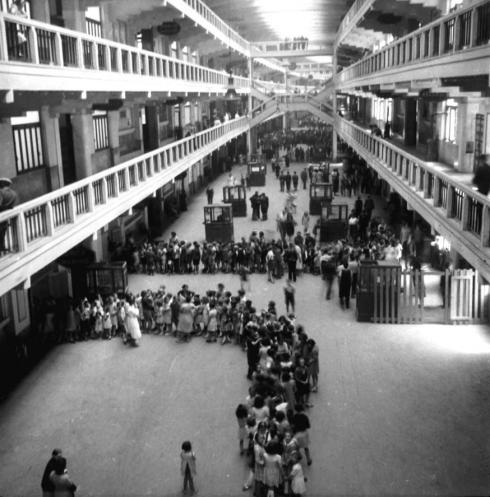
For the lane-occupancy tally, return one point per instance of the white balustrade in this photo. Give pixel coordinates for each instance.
(440, 189)
(51, 46)
(352, 18)
(455, 33)
(35, 221)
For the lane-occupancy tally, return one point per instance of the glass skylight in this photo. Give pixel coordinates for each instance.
(289, 18)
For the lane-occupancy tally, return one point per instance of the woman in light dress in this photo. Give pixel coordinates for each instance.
(132, 321)
(186, 320)
(273, 473)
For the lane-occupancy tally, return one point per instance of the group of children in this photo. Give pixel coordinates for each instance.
(283, 366)
(273, 429)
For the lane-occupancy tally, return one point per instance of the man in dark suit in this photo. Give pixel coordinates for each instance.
(47, 485)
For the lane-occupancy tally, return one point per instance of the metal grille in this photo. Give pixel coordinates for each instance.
(475, 213)
(35, 223)
(457, 206)
(93, 27)
(483, 24)
(101, 132)
(28, 147)
(69, 45)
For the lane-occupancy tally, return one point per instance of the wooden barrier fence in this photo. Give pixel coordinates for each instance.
(399, 296)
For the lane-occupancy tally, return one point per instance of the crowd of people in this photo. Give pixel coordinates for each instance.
(289, 256)
(303, 144)
(282, 365)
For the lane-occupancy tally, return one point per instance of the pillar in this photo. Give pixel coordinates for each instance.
(465, 133)
(410, 122)
(50, 136)
(40, 11)
(152, 124)
(106, 16)
(83, 143)
(334, 144)
(113, 131)
(74, 15)
(97, 245)
(8, 153)
(251, 79)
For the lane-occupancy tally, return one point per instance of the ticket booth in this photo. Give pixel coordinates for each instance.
(99, 279)
(319, 193)
(334, 221)
(218, 222)
(378, 291)
(237, 197)
(258, 158)
(256, 173)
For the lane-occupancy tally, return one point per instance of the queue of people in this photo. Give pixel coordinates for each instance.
(273, 428)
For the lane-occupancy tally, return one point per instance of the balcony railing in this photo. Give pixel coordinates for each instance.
(353, 16)
(51, 46)
(468, 209)
(35, 221)
(214, 21)
(456, 32)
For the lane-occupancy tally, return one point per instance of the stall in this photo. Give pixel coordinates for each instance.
(334, 222)
(319, 193)
(218, 222)
(237, 197)
(256, 173)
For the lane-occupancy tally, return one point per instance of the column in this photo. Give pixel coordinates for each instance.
(106, 16)
(113, 130)
(251, 79)
(8, 153)
(83, 143)
(40, 11)
(411, 122)
(98, 244)
(50, 136)
(152, 124)
(465, 133)
(74, 15)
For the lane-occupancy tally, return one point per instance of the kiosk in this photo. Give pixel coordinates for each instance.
(319, 193)
(218, 222)
(237, 197)
(256, 173)
(334, 221)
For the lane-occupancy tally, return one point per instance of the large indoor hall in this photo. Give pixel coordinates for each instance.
(400, 409)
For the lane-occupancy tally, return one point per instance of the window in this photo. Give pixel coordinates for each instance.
(28, 145)
(453, 4)
(449, 119)
(93, 25)
(101, 130)
(187, 113)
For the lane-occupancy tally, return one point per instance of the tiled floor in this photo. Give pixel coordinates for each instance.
(402, 410)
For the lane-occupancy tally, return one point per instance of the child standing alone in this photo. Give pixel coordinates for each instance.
(188, 466)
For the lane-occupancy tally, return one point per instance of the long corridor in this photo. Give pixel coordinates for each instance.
(401, 409)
